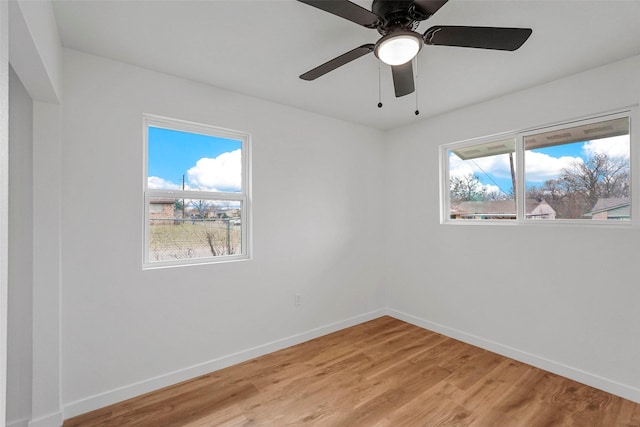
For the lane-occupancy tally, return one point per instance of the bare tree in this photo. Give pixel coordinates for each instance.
(469, 188)
(580, 186)
(202, 206)
(211, 240)
(599, 176)
(466, 188)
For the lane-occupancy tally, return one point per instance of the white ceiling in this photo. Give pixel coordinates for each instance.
(260, 47)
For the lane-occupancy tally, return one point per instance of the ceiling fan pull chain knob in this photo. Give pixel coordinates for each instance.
(416, 85)
(379, 85)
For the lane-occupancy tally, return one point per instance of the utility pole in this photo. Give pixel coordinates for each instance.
(513, 175)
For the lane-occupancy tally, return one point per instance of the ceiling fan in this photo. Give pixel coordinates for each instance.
(397, 21)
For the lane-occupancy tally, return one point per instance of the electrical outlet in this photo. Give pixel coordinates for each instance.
(297, 299)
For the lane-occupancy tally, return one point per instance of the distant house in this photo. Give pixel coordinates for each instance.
(500, 209)
(542, 210)
(162, 211)
(612, 208)
(227, 213)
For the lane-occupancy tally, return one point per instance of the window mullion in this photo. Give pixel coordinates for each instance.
(521, 192)
(208, 195)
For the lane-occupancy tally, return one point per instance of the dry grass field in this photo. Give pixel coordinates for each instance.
(194, 239)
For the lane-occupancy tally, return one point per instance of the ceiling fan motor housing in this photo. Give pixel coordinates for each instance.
(395, 14)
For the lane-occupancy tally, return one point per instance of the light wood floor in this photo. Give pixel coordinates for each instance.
(380, 373)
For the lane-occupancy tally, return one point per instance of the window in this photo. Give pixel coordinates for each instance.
(196, 193)
(583, 171)
(482, 180)
(578, 172)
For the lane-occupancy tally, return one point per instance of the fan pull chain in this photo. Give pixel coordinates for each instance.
(416, 84)
(379, 86)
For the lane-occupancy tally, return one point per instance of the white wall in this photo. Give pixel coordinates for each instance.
(19, 342)
(35, 53)
(46, 399)
(4, 201)
(34, 48)
(563, 298)
(316, 206)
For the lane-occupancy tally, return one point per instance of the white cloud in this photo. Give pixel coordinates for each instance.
(497, 166)
(157, 183)
(616, 146)
(541, 167)
(223, 173)
(490, 188)
(458, 167)
(494, 166)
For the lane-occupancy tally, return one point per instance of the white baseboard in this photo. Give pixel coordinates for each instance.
(17, 423)
(113, 396)
(596, 381)
(51, 420)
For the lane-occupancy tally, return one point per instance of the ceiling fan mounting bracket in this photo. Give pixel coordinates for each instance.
(395, 15)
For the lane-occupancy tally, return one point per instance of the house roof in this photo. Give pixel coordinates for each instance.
(494, 207)
(610, 203)
(484, 207)
(616, 207)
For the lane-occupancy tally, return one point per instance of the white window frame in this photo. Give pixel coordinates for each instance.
(244, 197)
(634, 160)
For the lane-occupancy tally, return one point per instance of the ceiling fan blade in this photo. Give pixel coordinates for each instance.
(403, 79)
(337, 62)
(347, 10)
(498, 38)
(428, 7)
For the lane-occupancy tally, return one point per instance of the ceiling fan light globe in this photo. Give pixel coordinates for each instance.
(398, 49)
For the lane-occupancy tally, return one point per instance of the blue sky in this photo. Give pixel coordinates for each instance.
(541, 164)
(207, 162)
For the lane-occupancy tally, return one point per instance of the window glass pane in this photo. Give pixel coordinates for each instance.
(482, 180)
(189, 228)
(580, 172)
(181, 160)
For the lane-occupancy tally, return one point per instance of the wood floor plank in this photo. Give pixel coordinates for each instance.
(431, 407)
(474, 369)
(381, 373)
